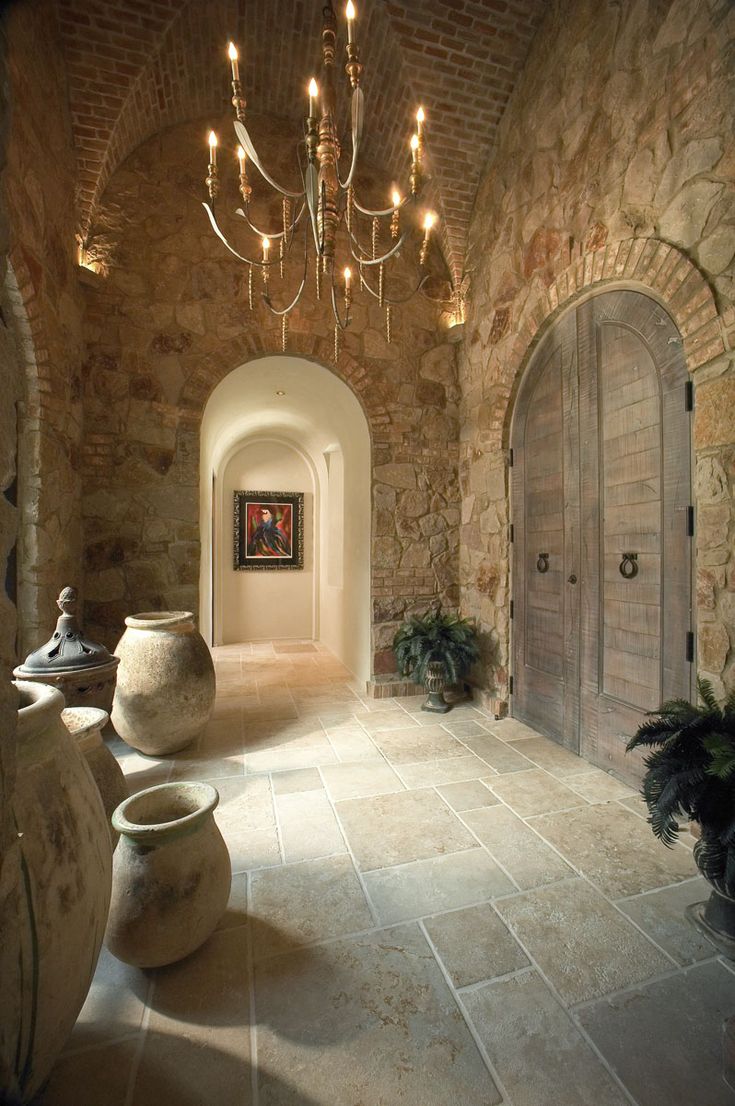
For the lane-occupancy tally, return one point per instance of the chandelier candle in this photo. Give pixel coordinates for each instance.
(322, 216)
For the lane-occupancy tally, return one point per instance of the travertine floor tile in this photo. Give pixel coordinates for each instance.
(430, 886)
(379, 1017)
(419, 744)
(301, 903)
(665, 1040)
(600, 841)
(384, 720)
(287, 758)
(469, 795)
(510, 729)
(534, 792)
(474, 944)
(301, 779)
(363, 778)
(467, 727)
(394, 829)
(523, 854)
(499, 754)
(551, 756)
(77, 1079)
(662, 915)
(580, 941)
(197, 1048)
(114, 1006)
(433, 773)
(308, 826)
(247, 822)
(351, 743)
(598, 787)
(540, 1055)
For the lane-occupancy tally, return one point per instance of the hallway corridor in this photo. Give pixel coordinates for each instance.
(400, 879)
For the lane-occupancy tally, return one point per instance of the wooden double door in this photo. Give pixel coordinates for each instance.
(601, 527)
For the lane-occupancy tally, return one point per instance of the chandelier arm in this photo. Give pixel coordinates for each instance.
(385, 211)
(248, 260)
(344, 185)
(265, 234)
(335, 309)
(395, 302)
(375, 260)
(247, 143)
(357, 116)
(297, 297)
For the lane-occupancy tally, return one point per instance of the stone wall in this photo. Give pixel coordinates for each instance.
(616, 162)
(38, 196)
(168, 318)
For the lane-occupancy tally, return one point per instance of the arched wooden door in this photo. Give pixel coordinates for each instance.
(602, 526)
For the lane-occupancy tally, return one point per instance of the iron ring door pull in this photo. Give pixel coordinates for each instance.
(629, 565)
(542, 564)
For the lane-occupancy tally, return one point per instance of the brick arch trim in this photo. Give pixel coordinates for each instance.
(251, 347)
(648, 263)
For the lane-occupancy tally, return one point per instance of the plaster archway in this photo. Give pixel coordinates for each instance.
(307, 409)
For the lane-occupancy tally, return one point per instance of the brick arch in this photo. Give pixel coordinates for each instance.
(251, 347)
(649, 264)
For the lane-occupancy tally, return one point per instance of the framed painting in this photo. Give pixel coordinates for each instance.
(269, 530)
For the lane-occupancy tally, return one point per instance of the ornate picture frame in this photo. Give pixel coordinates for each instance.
(268, 531)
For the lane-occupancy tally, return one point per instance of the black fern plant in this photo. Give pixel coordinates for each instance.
(436, 637)
(691, 774)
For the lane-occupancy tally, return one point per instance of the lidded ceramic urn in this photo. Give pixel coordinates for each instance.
(82, 670)
(165, 682)
(57, 871)
(172, 874)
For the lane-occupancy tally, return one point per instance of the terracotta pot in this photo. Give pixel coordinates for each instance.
(165, 682)
(85, 724)
(64, 863)
(171, 878)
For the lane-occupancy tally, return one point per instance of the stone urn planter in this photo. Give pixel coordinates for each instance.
(63, 863)
(172, 874)
(165, 682)
(85, 724)
(435, 682)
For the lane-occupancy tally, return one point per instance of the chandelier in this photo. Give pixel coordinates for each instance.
(326, 204)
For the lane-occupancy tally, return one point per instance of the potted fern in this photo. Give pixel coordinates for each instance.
(436, 650)
(690, 774)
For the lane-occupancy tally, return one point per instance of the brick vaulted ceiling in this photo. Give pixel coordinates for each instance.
(137, 66)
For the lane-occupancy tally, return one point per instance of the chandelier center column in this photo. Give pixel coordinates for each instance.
(328, 150)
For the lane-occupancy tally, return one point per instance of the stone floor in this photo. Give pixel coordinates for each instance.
(425, 911)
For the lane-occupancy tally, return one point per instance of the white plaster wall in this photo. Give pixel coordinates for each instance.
(320, 418)
(264, 605)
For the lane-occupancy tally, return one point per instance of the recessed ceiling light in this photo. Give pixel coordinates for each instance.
(280, 393)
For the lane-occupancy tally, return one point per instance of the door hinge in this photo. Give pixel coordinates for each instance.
(511, 532)
(689, 395)
(510, 686)
(690, 522)
(510, 458)
(511, 608)
(690, 646)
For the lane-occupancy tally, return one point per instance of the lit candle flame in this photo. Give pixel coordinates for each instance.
(212, 140)
(313, 88)
(420, 116)
(266, 247)
(350, 13)
(233, 56)
(348, 277)
(241, 158)
(429, 220)
(396, 198)
(414, 143)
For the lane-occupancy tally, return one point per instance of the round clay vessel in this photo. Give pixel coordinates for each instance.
(85, 724)
(165, 683)
(171, 876)
(58, 872)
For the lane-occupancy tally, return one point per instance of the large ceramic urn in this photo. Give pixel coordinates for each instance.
(63, 861)
(165, 682)
(171, 875)
(85, 724)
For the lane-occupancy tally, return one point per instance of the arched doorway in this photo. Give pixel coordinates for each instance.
(602, 526)
(289, 420)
